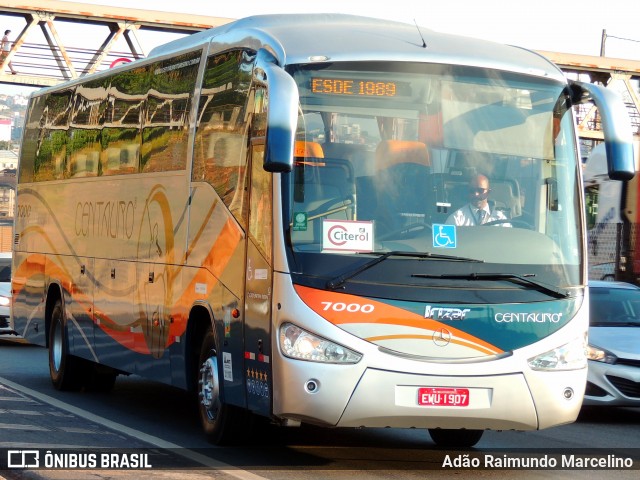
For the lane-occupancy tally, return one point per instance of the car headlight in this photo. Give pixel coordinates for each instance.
(302, 345)
(570, 356)
(5, 301)
(600, 355)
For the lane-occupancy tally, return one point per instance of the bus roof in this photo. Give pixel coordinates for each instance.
(294, 38)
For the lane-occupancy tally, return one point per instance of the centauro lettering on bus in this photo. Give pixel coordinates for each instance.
(403, 326)
(161, 302)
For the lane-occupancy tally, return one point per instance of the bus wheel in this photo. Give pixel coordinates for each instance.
(222, 424)
(66, 370)
(455, 438)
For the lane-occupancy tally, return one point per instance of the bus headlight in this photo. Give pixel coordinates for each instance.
(571, 356)
(4, 301)
(302, 345)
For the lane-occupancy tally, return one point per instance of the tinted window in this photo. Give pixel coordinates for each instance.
(612, 305)
(165, 133)
(220, 155)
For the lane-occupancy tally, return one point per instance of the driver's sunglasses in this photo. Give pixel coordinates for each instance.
(479, 191)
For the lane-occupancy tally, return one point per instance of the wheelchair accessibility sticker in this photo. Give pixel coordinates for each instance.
(444, 236)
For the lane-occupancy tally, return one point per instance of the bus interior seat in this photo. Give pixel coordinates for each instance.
(451, 192)
(362, 159)
(506, 195)
(324, 188)
(403, 183)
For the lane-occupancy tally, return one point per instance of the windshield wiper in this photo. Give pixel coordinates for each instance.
(340, 279)
(526, 278)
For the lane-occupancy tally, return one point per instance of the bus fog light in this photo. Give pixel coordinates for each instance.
(570, 356)
(312, 386)
(568, 393)
(302, 345)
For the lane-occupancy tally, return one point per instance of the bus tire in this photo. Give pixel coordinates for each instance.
(453, 438)
(66, 370)
(223, 424)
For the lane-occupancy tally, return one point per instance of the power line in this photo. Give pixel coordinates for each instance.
(622, 38)
(604, 39)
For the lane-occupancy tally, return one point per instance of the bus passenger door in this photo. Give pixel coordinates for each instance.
(259, 281)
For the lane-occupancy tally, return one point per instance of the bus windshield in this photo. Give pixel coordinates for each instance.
(403, 157)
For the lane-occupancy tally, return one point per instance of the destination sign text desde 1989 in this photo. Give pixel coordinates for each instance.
(355, 87)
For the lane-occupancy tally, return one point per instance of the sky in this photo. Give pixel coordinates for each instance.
(571, 27)
(559, 26)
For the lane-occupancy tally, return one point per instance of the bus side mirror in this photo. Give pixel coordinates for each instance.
(282, 113)
(616, 127)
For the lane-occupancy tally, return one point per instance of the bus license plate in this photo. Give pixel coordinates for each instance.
(443, 397)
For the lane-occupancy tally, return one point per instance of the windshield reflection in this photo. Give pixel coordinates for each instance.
(434, 161)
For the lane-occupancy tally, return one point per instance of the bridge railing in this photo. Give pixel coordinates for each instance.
(41, 60)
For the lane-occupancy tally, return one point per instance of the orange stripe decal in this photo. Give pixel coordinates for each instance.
(358, 310)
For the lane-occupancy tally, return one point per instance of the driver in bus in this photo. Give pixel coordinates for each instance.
(478, 211)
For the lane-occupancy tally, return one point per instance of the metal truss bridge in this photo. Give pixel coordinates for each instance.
(57, 41)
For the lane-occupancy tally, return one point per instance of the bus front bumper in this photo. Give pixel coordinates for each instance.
(383, 398)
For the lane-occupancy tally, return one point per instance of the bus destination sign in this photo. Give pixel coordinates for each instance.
(358, 87)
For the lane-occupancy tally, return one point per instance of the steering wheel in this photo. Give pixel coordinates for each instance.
(512, 221)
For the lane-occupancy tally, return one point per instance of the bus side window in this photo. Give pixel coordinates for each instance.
(220, 151)
(166, 119)
(51, 152)
(121, 135)
(111, 161)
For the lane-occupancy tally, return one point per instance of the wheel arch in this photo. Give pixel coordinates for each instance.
(54, 293)
(200, 319)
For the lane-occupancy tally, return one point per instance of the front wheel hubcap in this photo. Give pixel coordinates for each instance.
(210, 387)
(56, 347)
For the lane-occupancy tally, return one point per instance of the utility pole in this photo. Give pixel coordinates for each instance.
(602, 42)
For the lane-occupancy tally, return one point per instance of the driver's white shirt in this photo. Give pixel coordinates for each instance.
(469, 215)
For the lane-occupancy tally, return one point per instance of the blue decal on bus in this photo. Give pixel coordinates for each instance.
(444, 236)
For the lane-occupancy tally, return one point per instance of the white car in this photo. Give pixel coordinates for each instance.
(5, 292)
(614, 344)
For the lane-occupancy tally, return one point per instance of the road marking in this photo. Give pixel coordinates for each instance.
(77, 430)
(158, 442)
(23, 412)
(16, 399)
(18, 426)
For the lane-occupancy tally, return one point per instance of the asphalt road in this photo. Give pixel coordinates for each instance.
(158, 420)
